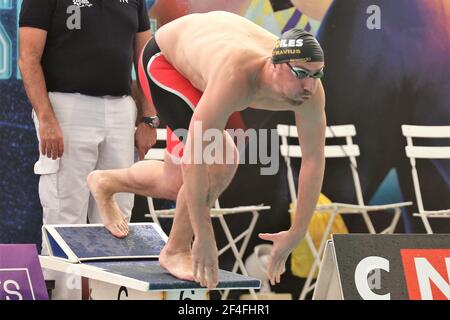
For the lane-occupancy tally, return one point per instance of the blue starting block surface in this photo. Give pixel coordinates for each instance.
(158, 279)
(92, 252)
(77, 243)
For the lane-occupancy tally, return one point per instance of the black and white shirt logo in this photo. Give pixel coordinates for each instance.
(82, 3)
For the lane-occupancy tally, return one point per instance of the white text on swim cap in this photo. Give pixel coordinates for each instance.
(284, 43)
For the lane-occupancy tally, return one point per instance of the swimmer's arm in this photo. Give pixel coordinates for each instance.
(212, 112)
(143, 105)
(311, 126)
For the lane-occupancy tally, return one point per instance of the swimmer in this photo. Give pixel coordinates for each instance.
(197, 71)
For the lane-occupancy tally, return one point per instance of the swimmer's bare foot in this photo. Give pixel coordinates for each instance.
(179, 264)
(112, 217)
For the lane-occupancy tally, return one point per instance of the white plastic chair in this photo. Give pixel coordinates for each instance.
(216, 212)
(347, 151)
(414, 152)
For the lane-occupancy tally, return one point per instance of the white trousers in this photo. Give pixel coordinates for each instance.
(98, 134)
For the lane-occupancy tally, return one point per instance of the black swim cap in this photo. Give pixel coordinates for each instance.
(297, 45)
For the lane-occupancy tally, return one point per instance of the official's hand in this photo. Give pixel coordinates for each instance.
(145, 138)
(51, 137)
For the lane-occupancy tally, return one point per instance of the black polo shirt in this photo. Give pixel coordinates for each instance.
(95, 59)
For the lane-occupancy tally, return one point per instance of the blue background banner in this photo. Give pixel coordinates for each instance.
(376, 79)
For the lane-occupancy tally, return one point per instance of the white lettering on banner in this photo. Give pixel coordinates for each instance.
(363, 269)
(9, 291)
(426, 274)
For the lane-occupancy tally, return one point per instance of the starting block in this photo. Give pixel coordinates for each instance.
(119, 269)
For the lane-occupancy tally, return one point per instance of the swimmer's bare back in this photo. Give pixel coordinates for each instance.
(225, 46)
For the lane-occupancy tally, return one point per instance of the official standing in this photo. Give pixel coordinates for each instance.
(76, 60)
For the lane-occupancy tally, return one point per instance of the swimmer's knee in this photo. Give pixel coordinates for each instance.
(173, 187)
(220, 176)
